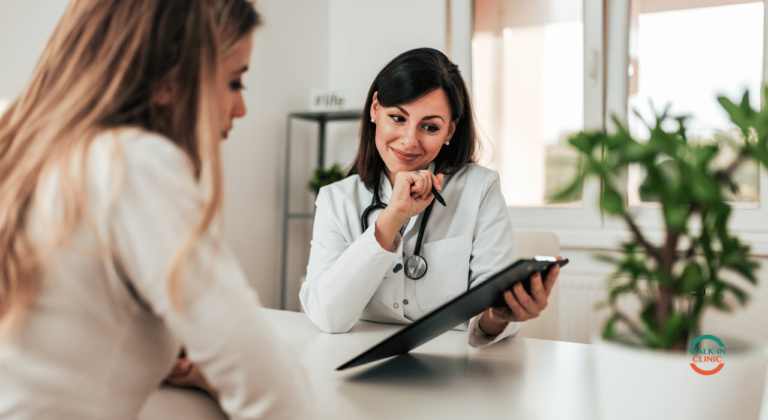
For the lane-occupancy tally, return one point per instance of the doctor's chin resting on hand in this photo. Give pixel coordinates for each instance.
(383, 248)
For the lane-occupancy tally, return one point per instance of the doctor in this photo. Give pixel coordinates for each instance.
(382, 249)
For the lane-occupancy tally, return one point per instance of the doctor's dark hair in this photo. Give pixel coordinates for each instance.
(407, 78)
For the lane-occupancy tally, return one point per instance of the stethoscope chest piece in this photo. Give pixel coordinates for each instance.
(415, 266)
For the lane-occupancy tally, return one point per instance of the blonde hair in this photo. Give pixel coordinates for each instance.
(99, 70)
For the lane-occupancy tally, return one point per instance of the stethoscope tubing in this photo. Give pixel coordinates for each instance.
(377, 204)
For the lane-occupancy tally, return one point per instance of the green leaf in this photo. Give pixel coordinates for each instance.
(612, 202)
(745, 267)
(602, 305)
(661, 277)
(609, 330)
(717, 298)
(635, 152)
(705, 155)
(323, 177)
(654, 186)
(676, 217)
(704, 188)
(681, 127)
(670, 173)
(737, 292)
(585, 142)
(566, 193)
(600, 168)
(692, 279)
(761, 155)
(746, 108)
(610, 259)
(736, 114)
(664, 141)
(649, 316)
(721, 305)
(673, 330)
(618, 291)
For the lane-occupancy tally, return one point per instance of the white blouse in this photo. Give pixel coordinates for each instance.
(350, 276)
(101, 334)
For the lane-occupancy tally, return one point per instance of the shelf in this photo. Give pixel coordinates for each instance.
(321, 118)
(354, 114)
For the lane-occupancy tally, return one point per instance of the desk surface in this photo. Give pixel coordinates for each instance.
(443, 379)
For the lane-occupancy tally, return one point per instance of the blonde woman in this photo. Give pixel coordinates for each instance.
(110, 202)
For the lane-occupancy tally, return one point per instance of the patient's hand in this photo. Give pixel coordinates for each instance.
(186, 374)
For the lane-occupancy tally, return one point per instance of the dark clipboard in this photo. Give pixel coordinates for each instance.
(453, 313)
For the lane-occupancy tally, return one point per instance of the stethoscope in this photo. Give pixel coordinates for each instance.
(416, 265)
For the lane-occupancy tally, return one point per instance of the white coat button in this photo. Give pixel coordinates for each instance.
(405, 301)
(396, 305)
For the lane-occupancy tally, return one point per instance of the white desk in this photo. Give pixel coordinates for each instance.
(518, 378)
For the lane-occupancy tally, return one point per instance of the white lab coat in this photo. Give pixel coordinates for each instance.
(464, 244)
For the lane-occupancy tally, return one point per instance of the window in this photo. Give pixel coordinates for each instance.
(544, 68)
(685, 53)
(528, 72)
(537, 77)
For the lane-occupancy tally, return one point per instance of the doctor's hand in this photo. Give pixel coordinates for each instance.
(520, 305)
(411, 194)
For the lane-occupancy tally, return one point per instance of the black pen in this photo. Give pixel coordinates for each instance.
(438, 197)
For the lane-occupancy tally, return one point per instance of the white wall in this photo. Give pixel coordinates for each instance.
(364, 35)
(290, 56)
(25, 27)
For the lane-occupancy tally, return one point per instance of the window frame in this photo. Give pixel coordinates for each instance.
(587, 215)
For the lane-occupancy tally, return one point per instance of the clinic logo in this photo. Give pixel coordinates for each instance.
(707, 355)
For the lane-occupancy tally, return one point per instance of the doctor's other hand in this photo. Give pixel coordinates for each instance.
(411, 194)
(520, 305)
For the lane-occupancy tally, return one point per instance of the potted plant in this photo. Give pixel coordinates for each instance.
(654, 362)
(322, 177)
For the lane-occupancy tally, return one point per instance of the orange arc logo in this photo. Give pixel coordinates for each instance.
(707, 372)
(693, 346)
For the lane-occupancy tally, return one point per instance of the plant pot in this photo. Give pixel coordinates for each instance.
(636, 383)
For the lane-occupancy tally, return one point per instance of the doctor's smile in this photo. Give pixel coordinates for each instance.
(406, 157)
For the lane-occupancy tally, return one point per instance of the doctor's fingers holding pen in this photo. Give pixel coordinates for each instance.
(412, 192)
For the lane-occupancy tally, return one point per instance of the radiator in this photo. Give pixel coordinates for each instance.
(578, 317)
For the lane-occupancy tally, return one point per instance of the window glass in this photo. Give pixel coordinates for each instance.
(528, 92)
(685, 53)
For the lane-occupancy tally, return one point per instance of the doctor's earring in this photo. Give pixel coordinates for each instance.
(373, 120)
(448, 143)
